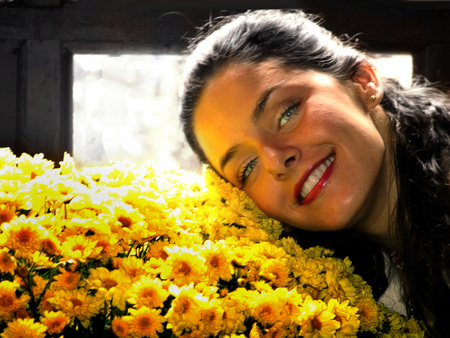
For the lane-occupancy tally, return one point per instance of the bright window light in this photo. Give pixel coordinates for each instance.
(397, 66)
(126, 108)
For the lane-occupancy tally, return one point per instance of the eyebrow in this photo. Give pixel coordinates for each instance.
(261, 105)
(256, 115)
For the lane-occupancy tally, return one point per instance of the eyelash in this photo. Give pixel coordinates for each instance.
(242, 176)
(292, 109)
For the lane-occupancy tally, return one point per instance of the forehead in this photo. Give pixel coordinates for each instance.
(226, 104)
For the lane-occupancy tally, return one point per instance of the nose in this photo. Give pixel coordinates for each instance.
(280, 161)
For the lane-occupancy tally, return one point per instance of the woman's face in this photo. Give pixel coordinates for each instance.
(300, 143)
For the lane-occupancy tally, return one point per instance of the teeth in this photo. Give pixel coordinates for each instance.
(315, 176)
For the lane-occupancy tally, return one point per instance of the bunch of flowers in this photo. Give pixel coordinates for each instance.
(129, 251)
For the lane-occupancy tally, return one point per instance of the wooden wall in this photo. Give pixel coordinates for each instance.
(38, 38)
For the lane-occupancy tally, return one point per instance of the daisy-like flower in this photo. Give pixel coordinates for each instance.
(268, 310)
(112, 285)
(33, 166)
(316, 320)
(346, 316)
(7, 262)
(119, 327)
(145, 322)
(7, 157)
(44, 305)
(218, 261)
(23, 235)
(24, 328)
(368, 312)
(148, 292)
(77, 304)
(276, 272)
(183, 266)
(211, 318)
(55, 321)
(66, 279)
(79, 248)
(7, 213)
(110, 246)
(157, 250)
(185, 311)
(134, 267)
(10, 303)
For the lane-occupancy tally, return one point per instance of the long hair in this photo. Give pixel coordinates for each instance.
(421, 123)
(421, 118)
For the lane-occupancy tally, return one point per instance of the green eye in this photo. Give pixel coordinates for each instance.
(247, 170)
(288, 114)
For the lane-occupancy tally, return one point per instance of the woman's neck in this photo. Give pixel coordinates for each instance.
(380, 220)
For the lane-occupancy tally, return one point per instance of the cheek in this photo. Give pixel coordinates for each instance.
(269, 197)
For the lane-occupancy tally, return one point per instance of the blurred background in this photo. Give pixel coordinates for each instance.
(100, 79)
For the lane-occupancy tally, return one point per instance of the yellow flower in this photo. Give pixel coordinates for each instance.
(109, 245)
(148, 292)
(157, 250)
(9, 302)
(183, 266)
(217, 261)
(33, 166)
(55, 321)
(66, 279)
(44, 305)
(7, 262)
(211, 318)
(346, 316)
(268, 310)
(7, 213)
(119, 327)
(276, 272)
(77, 304)
(113, 285)
(368, 313)
(185, 310)
(134, 267)
(7, 157)
(24, 328)
(79, 248)
(145, 322)
(316, 320)
(153, 266)
(23, 235)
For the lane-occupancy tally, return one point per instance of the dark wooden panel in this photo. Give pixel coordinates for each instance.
(39, 99)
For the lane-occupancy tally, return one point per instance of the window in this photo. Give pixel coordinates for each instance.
(126, 108)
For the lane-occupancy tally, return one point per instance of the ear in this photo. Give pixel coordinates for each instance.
(368, 85)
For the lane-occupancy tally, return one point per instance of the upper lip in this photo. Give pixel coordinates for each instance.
(299, 186)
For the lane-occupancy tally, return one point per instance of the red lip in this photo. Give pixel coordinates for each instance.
(319, 185)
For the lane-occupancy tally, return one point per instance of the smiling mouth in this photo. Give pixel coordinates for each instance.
(314, 179)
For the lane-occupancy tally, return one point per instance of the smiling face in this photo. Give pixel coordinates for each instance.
(300, 143)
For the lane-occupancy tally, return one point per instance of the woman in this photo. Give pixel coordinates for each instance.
(303, 123)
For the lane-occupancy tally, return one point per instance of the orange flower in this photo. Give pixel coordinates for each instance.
(9, 302)
(368, 313)
(67, 279)
(24, 328)
(148, 292)
(23, 235)
(55, 321)
(119, 327)
(7, 262)
(145, 322)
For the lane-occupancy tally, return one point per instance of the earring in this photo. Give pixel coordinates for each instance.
(373, 97)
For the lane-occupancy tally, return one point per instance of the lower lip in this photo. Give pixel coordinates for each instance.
(319, 185)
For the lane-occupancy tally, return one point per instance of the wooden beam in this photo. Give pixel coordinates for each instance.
(40, 89)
